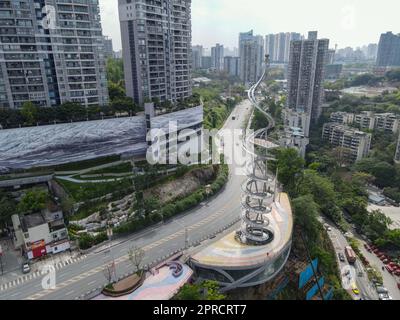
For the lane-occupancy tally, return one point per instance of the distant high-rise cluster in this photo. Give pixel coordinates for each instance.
(108, 47)
(389, 50)
(197, 56)
(278, 46)
(49, 60)
(232, 66)
(217, 57)
(156, 41)
(251, 53)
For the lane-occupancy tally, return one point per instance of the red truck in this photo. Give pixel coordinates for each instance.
(350, 255)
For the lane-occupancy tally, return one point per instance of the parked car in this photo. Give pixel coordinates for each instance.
(398, 285)
(342, 257)
(389, 269)
(26, 268)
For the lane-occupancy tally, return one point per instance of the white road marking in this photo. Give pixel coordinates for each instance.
(92, 282)
(69, 293)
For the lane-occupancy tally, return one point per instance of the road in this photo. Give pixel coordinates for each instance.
(358, 275)
(83, 276)
(389, 281)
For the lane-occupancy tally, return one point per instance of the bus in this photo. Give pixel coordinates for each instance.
(350, 255)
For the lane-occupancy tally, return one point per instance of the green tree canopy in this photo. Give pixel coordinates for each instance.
(33, 200)
(29, 112)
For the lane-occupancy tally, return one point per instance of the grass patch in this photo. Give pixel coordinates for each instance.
(86, 164)
(125, 167)
(87, 191)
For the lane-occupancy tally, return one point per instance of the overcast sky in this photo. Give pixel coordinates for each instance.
(345, 22)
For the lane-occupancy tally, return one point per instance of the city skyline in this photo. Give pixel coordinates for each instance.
(345, 24)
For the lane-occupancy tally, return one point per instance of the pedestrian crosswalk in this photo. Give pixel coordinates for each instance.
(38, 273)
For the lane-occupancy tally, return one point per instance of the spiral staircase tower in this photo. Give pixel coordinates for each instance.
(260, 187)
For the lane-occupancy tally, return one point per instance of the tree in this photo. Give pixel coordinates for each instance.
(30, 112)
(116, 90)
(376, 225)
(290, 166)
(7, 208)
(324, 194)
(136, 256)
(34, 200)
(125, 104)
(306, 213)
(109, 272)
(115, 70)
(211, 291)
(189, 292)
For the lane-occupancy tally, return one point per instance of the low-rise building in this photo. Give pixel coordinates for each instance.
(365, 120)
(40, 233)
(293, 137)
(356, 144)
(388, 122)
(342, 117)
(297, 119)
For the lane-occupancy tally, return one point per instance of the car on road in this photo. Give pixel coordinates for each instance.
(398, 285)
(385, 297)
(341, 257)
(356, 291)
(26, 268)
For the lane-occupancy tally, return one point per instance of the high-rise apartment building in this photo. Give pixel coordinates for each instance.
(277, 46)
(372, 51)
(51, 52)
(197, 55)
(306, 73)
(389, 50)
(156, 41)
(217, 56)
(251, 53)
(232, 66)
(108, 47)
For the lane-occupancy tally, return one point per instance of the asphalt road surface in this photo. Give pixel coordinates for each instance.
(357, 276)
(81, 277)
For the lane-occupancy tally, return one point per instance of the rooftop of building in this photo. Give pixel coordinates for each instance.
(345, 128)
(53, 145)
(32, 221)
(228, 253)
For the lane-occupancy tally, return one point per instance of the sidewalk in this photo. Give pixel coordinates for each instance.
(14, 272)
